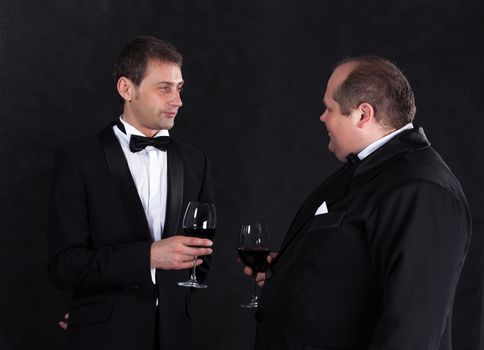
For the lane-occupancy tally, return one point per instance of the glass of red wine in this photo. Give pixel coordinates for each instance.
(200, 220)
(253, 247)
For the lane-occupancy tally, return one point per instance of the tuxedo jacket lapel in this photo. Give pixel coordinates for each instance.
(175, 190)
(123, 181)
(330, 190)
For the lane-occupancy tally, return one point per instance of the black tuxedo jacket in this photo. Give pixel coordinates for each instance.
(379, 270)
(99, 245)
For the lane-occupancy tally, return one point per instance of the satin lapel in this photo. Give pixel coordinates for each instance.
(123, 181)
(175, 190)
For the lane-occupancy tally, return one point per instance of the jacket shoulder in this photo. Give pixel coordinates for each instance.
(85, 147)
(424, 166)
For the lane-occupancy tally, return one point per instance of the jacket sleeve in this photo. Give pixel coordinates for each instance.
(418, 239)
(73, 262)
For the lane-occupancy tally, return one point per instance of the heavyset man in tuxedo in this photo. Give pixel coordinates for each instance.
(116, 210)
(373, 257)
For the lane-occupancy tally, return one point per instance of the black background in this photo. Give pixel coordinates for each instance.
(255, 74)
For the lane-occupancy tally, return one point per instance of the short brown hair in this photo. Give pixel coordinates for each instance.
(133, 60)
(377, 81)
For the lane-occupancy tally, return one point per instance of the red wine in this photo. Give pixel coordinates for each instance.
(199, 232)
(253, 257)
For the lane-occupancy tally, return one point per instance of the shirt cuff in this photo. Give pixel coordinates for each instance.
(153, 275)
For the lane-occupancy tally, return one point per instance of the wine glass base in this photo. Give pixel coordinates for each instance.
(192, 284)
(254, 303)
(249, 306)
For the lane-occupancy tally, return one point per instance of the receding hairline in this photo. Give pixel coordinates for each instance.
(361, 60)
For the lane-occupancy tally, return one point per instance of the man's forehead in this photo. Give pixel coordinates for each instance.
(168, 71)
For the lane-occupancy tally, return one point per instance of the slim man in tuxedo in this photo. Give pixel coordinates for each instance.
(372, 258)
(116, 208)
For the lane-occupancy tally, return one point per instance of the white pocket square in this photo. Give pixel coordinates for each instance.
(323, 209)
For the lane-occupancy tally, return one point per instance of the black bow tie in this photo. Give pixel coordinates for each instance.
(138, 143)
(352, 159)
(352, 162)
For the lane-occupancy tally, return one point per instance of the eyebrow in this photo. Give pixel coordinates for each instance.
(169, 83)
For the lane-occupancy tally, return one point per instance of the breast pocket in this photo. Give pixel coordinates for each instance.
(326, 221)
(90, 311)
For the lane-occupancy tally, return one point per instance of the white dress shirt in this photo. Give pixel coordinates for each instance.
(149, 171)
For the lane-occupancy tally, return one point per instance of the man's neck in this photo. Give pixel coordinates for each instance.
(135, 124)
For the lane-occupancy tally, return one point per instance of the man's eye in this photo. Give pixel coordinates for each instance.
(165, 88)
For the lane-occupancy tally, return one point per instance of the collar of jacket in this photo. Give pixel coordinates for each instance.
(406, 142)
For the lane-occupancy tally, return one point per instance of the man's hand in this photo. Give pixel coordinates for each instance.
(65, 322)
(260, 277)
(177, 252)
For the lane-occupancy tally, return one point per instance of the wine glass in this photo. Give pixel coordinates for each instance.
(253, 248)
(200, 220)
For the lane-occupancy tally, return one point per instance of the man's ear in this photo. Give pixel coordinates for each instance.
(126, 89)
(366, 113)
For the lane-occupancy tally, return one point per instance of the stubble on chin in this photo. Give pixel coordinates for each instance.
(167, 125)
(164, 123)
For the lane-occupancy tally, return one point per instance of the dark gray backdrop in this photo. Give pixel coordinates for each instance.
(255, 73)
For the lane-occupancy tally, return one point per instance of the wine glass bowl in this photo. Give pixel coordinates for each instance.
(200, 220)
(253, 257)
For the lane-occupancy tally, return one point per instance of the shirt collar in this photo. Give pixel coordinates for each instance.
(372, 147)
(131, 130)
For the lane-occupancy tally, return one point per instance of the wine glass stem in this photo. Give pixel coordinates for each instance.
(254, 294)
(193, 275)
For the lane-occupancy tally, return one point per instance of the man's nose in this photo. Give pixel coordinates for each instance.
(177, 100)
(322, 117)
